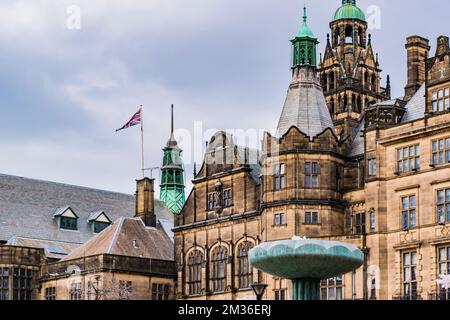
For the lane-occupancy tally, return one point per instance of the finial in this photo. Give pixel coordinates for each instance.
(195, 169)
(305, 16)
(370, 38)
(172, 122)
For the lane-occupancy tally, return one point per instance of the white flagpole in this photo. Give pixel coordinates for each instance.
(142, 143)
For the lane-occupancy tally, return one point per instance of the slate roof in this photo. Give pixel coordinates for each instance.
(415, 108)
(357, 146)
(53, 249)
(127, 237)
(305, 107)
(27, 209)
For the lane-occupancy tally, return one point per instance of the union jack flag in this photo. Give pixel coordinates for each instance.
(134, 121)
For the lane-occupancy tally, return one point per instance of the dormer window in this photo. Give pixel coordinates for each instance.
(68, 223)
(99, 221)
(67, 219)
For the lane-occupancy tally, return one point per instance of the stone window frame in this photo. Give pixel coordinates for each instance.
(279, 176)
(279, 219)
(279, 289)
(4, 283)
(211, 201)
(372, 167)
(228, 197)
(244, 268)
(440, 151)
(160, 291)
(359, 223)
(312, 218)
(22, 284)
(408, 212)
(372, 220)
(410, 161)
(50, 293)
(411, 268)
(445, 204)
(440, 100)
(443, 262)
(194, 262)
(312, 173)
(219, 263)
(334, 285)
(76, 291)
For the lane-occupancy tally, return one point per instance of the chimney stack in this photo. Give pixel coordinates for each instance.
(417, 49)
(145, 201)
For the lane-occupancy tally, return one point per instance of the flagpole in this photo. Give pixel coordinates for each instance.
(142, 143)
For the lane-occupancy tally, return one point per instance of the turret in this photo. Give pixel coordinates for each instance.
(172, 177)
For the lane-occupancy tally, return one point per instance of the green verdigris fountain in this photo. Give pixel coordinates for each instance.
(306, 262)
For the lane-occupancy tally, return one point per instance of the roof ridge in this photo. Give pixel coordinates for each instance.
(64, 184)
(116, 235)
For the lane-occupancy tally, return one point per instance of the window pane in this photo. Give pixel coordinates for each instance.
(315, 168)
(308, 168)
(412, 217)
(399, 154)
(413, 258)
(435, 146)
(442, 254)
(412, 202)
(308, 182)
(405, 203)
(441, 197)
(407, 259)
(315, 181)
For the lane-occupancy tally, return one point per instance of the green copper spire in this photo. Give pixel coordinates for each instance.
(172, 177)
(305, 51)
(349, 10)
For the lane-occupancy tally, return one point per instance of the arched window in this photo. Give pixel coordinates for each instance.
(353, 103)
(358, 105)
(245, 274)
(366, 77)
(349, 34)
(195, 262)
(219, 260)
(345, 104)
(337, 34)
(332, 106)
(324, 81)
(374, 79)
(332, 84)
(361, 36)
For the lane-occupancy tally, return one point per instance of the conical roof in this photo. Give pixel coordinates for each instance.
(305, 106)
(305, 30)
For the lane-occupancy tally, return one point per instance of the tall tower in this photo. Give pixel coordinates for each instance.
(172, 177)
(349, 71)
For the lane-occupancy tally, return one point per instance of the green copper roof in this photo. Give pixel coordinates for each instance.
(305, 31)
(349, 10)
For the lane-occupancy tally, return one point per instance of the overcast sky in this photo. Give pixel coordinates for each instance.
(225, 63)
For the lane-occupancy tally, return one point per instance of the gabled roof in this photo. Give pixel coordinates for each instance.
(305, 107)
(27, 209)
(61, 211)
(415, 108)
(128, 237)
(97, 214)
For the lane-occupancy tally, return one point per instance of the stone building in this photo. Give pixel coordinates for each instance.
(43, 225)
(348, 163)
